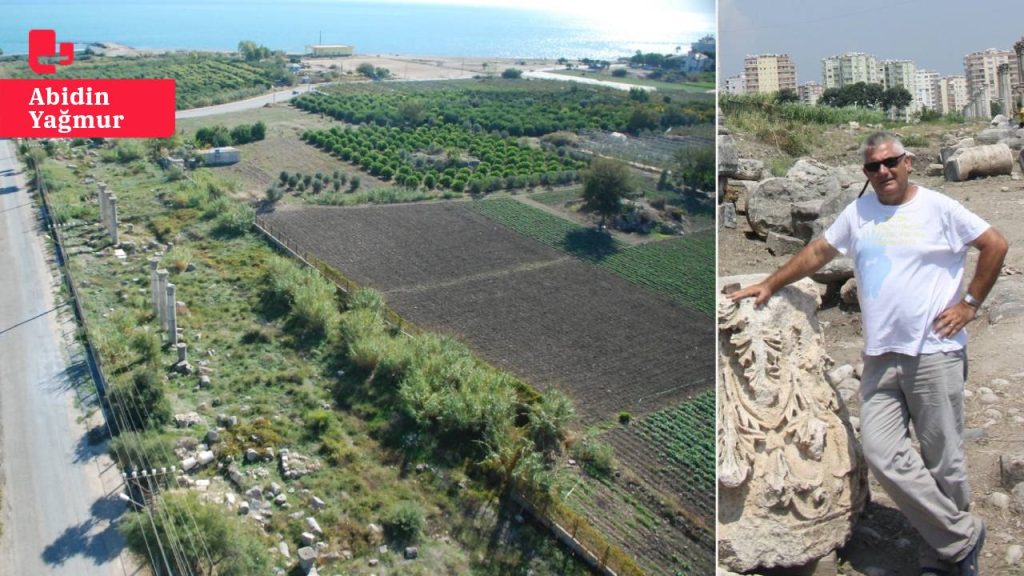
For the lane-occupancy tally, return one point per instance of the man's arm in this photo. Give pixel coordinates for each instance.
(806, 261)
(992, 247)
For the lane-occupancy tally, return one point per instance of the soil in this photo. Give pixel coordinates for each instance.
(545, 316)
(883, 542)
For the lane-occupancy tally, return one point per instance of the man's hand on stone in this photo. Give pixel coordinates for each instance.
(953, 319)
(759, 291)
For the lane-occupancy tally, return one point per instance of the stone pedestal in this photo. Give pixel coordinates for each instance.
(791, 478)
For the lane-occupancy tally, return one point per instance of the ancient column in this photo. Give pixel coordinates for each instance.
(102, 195)
(172, 314)
(791, 477)
(1005, 89)
(1018, 47)
(161, 291)
(154, 263)
(182, 352)
(112, 223)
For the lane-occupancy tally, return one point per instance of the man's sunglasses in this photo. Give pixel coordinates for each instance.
(889, 163)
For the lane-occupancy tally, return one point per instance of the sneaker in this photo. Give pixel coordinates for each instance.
(969, 565)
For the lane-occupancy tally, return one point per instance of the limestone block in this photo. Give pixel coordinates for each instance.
(727, 215)
(946, 151)
(737, 192)
(307, 558)
(833, 205)
(780, 244)
(807, 170)
(1011, 469)
(934, 170)
(728, 156)
(769, 206)
(791, 478)
(994, 135)
(749, 169)
(838, 270)
(979, 161)
(804, 215)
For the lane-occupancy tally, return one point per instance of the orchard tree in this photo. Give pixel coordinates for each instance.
(604, 185)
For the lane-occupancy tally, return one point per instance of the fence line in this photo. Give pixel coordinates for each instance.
(344, 284)
(57, 230)
(582, 539)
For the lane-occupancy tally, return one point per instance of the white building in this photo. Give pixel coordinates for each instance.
(850, 68)
(927, 83)
(735, 85)
(902, 74)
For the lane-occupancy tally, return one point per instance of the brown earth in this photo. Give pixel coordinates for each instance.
(545, 316)
(883, 542)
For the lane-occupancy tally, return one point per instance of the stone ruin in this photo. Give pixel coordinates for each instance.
(792, 481)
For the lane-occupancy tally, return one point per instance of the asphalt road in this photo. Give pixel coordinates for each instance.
(55, 516)
(256, 102)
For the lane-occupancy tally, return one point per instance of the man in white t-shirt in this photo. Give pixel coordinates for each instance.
(909, 245)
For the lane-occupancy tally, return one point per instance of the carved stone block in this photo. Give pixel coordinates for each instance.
(791, 477)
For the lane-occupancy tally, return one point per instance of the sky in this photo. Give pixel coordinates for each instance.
(935, 34)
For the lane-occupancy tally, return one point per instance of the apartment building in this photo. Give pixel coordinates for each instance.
(981, 69)
(768, 73)
(850, 68)
(810, 92)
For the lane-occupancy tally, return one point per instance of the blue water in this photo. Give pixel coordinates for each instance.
(372, 28)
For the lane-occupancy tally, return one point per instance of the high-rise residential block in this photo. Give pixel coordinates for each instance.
(769, 73)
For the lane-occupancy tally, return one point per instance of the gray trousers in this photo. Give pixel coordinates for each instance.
(930, 488)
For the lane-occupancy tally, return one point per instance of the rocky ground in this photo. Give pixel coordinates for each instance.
(883, 544)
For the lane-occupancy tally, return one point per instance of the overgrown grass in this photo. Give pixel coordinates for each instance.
(280, 351)
(790, 127)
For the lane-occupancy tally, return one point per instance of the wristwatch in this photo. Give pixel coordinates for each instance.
(971, 301)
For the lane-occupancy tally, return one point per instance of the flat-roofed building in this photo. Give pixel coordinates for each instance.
(952, 95)
(850, 68)
(810, 92)
(735, 85)
(769, 73)
(329, 50)
(982, 71)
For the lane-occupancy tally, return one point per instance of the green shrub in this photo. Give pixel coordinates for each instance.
(597, 457)
(148, 449)
(140, 403)
(915, 140)
(177, 259)
(404, 521)
(235, 221)
(235, 549)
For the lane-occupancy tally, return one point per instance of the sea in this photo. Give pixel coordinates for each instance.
(370, 27)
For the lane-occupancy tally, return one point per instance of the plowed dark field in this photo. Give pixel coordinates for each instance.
(548, 318)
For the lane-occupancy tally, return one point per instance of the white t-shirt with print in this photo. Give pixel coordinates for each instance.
(909, 263)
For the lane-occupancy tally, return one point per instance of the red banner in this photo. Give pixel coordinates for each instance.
(86, 108)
